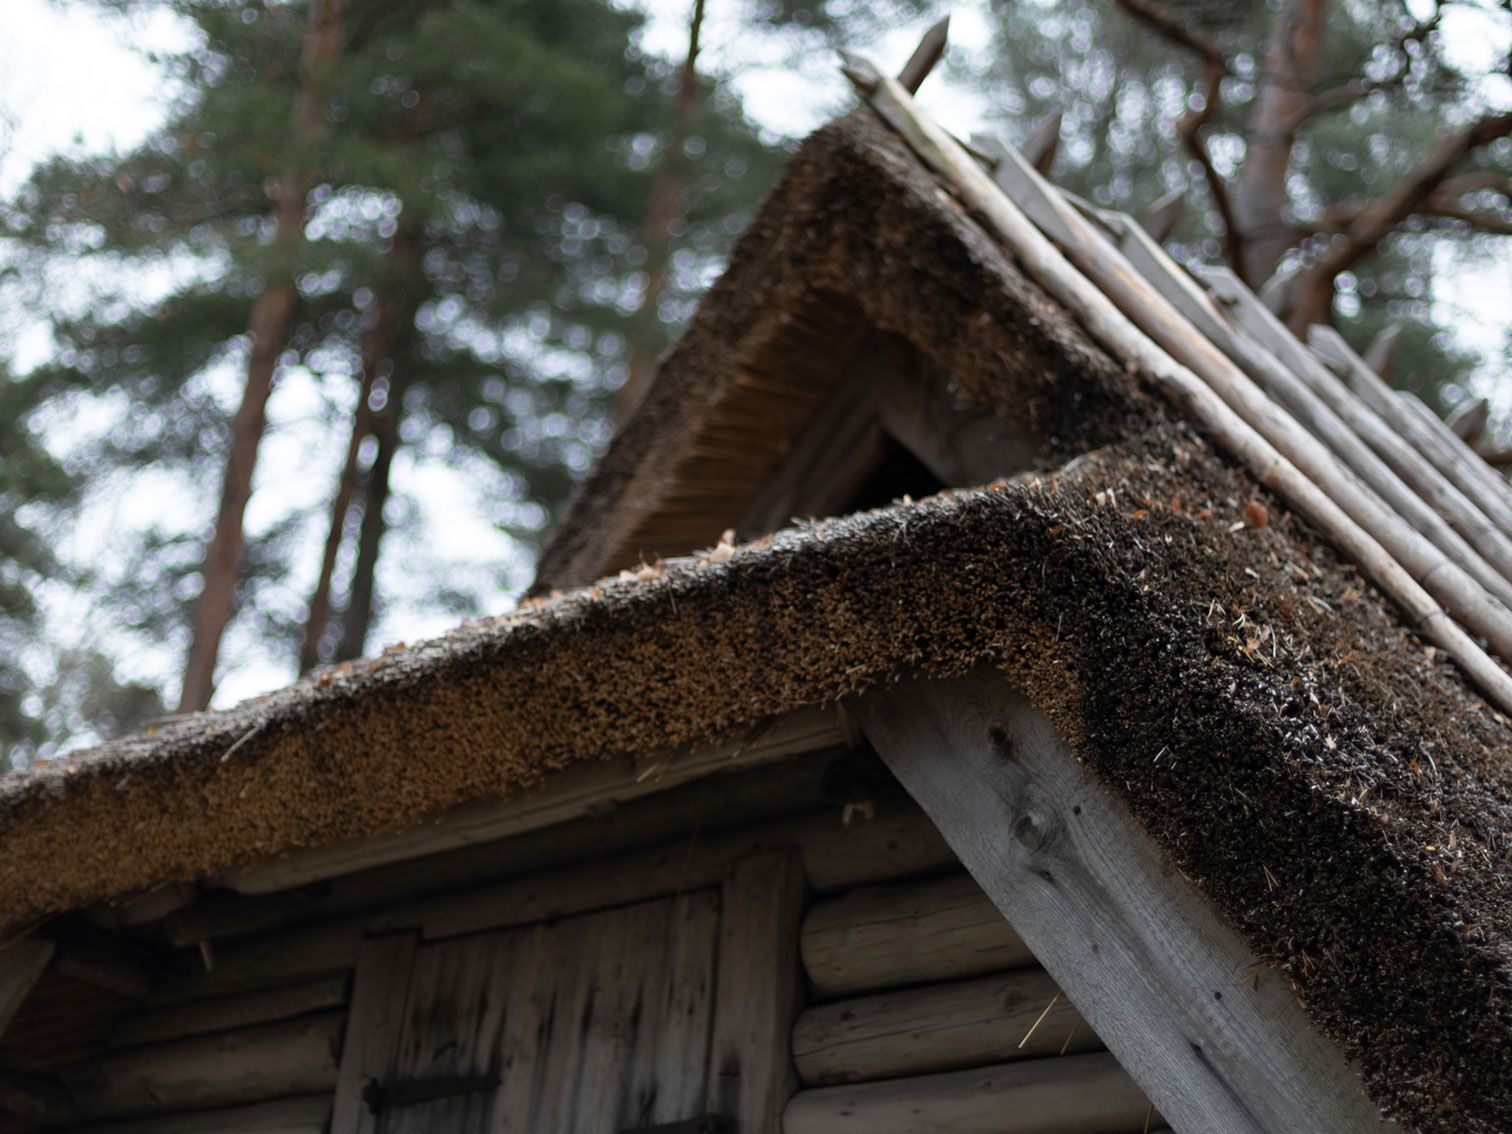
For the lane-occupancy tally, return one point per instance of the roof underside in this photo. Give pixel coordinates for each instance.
(1336, 789)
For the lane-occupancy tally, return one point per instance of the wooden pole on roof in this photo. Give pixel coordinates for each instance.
(1394, 475)
(930, 51)
(1382, 349)
(1127, 342)
(1424, 428)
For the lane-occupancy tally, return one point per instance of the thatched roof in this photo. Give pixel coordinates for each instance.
(1338, 790)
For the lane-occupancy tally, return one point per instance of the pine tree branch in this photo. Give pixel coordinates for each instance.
(1173, 27)
(1346, 94)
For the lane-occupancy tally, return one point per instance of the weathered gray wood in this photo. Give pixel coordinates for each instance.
(98, 964)
(230, 1013)
(578, 790)
(295, 1057)
(143, 908)
(1080, 1094)
(1469, 420)
(721, 802)
(21, 964)
(929, 52)
(905, 933)
(371, 1044)
(758, 991)
(1420, 425)
(38, 1099)
(1435, 521)
(1144, 955)
(282, 1116)
(900, 840)
(1019, 1014)
(1247, 423)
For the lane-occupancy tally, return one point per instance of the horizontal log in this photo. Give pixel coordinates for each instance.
(38, 1099)
(575, 791)
(231, 1013)
(295, 1057)
(898, 841)
(1019, 1014)
(907, 933)
(738, 798)
(282, 1116)
(1080, 1094)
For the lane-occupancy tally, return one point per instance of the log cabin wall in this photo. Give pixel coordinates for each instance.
(919, 1009)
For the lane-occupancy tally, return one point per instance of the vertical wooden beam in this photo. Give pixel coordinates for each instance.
(1146, 958)
(384, 965)
(757, 994)
(21, 964)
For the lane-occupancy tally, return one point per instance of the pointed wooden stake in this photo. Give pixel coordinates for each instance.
(1164, 215)
(1043, 142)
(1379, 354)
(1469, 420)
(929, 52)
(1276, 292)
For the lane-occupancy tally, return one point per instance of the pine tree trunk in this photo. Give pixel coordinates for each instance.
(268, 328)
(667, 196)
(1287, 81)
(377, 351)
(357, 619)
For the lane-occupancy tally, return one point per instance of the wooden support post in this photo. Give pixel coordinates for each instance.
(21, 964)
(1137, 948)
(757, 992)
(371, 1046)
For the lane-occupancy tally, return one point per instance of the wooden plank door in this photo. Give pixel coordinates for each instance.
(589, 1025)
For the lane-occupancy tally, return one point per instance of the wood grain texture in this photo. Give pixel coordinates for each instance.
(751, 1075)
(1020, 1014)
(231, 1012)
(578, 790)
(921, 932)
(1080, 1094)
(21, 964)
(296, 1057)
(371, 1043)
(305, 1115)
(1148, 960)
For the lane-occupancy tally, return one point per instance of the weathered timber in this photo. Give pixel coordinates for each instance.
(37, 1100)
(294, 1057)
(1311, 431)
(1262, 453)
(579, 790)
(97, 964)
(144, 908)
(739, 798)
(758, 991)
(1148, 959)
(899, 841)
(21, 964)
(1019, 1014)
(1420, 425)
(907, 933)
(371, 1045)
(1080, 1094)
(230, 1013)
(305, 1115)
(929, 52)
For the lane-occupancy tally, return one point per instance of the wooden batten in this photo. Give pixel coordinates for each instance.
(1085, 1094)
(759, 988)
(586, 788)
(1145, 956)
(371, 1045)
(1020, 1014)
(921, 932)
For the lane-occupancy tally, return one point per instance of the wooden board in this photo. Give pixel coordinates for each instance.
(751, 1073)
(1021, 1014)
(21, 963)
(371, 1043)
(1080, 1094)
(1141, 952)
(921, 932)
(231, 1012)
(579, 790)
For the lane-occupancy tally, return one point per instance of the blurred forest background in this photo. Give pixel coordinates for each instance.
(310, 365)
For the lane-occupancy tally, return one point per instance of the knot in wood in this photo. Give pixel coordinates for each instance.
(1033, 830)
